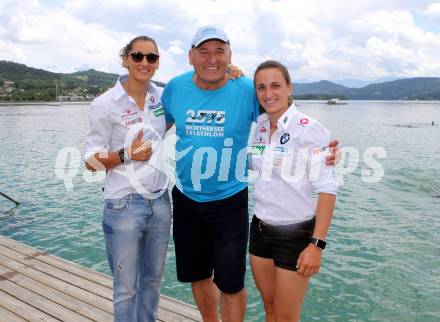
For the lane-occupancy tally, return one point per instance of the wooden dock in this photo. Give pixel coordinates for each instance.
(36, 286)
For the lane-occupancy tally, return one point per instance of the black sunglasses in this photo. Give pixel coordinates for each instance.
(138, 57)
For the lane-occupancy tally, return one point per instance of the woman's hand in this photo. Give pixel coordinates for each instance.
(140, 150)
(309, 261)
(234, 72)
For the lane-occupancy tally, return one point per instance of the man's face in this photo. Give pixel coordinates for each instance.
(210, 61)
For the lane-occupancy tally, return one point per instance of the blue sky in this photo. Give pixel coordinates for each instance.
(333, 40)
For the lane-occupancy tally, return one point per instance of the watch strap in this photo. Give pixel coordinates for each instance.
(318, 242)
(121, 154)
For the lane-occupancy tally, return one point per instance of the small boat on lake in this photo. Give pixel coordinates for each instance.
(336, 101)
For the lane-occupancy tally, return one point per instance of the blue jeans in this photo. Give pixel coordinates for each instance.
(136, 232)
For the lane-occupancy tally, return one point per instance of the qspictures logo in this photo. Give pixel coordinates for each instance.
(69, 160)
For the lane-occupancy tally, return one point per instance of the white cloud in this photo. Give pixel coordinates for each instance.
(175, 48)
(151, 26)
(54, 39)
(433, 9)
(316, 39)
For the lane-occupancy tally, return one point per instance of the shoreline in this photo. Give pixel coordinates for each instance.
(52, 103)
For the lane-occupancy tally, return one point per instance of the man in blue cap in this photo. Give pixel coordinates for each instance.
(213, 117)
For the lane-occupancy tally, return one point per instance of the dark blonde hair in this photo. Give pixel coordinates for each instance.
(128, 47)
(274, 64)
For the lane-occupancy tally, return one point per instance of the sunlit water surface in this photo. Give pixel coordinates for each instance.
(382, 261)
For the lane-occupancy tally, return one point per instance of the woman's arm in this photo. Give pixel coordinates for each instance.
(323, 182)
(103, 161)
(309, 260)
(324, 214)
(139, 151)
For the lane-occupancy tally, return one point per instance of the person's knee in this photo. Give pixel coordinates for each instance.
(287, 314)
(204, 283)
(286, 318)
(205, 290)
(232, 295)
(123, 294)
(269, 306)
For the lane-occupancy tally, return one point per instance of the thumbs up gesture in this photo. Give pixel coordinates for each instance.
(140, 150)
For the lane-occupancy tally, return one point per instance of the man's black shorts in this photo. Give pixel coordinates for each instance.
(211, 236)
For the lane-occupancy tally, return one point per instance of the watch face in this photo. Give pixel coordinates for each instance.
(320, 243)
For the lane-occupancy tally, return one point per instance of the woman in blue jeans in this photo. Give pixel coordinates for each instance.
(127, 125)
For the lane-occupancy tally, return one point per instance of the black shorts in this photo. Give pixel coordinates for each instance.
(282, 243)
(211, 237)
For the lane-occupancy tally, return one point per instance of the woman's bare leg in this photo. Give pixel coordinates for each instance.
(263, 270)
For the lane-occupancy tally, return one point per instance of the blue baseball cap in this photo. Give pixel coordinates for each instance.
(207, 33)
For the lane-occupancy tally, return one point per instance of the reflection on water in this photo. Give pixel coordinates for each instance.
(4, 215)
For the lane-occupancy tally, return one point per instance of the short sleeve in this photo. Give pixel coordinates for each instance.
(316, 138)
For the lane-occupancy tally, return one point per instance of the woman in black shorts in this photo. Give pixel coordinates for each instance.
(289, 225)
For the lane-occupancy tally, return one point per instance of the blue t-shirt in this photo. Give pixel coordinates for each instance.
(213, 129)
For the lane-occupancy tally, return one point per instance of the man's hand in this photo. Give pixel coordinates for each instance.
(335, 153)
(140, 150)
(234, 72)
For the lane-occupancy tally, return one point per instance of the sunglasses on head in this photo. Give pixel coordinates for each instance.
(138, 57)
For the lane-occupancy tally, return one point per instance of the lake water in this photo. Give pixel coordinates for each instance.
(383, 257)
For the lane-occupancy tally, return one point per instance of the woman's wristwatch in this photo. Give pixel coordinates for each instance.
(122, 157)
(318, 242)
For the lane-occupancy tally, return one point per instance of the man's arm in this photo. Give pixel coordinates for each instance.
(234, 72)
(335, 153)
(169, 125)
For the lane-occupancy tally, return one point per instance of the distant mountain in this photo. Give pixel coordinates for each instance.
(38, 84)
(356, 83)
(419, 88)
(19, 82)
(318, 88)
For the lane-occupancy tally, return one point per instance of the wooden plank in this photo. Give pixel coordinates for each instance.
(8, 316)
(184, 309)
(24, 310)
(168, 298)
(60, 285)
(163, 314)
(43, 304)
(56, 296)
(55, 280)
(168, 316)
(67, 266)
(58, 273)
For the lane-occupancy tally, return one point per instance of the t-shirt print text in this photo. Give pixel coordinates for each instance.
(205, 123)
